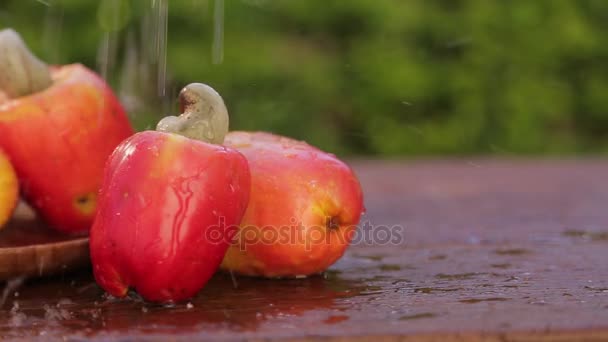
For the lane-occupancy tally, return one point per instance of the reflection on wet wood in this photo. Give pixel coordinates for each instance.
(487, 251)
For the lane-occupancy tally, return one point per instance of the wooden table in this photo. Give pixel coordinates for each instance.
(489, 250)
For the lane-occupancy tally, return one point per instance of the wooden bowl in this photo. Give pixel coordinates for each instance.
(29, 248)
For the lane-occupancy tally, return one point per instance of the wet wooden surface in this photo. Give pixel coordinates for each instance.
(479, 250)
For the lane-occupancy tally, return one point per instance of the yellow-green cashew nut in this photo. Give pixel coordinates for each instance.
(22, 73)
(204, 115)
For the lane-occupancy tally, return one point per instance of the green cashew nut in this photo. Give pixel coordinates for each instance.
(204, 115)
(21, 73)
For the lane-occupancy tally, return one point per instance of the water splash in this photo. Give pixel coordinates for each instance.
(11, 286)
(55, 313)
(17, 318)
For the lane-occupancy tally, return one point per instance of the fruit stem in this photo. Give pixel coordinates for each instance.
(21, 73)
(204, 115)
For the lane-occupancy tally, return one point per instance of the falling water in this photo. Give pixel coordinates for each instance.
(131, 76)
(160, 9)
(137, 54)
(143, 76)
(56, 313)
(218, 32)
(103, 55)
(52, 29)
(112, 17)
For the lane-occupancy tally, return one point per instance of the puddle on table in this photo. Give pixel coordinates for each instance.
(418, 316)
(390, 267)
(459, 276)
(377, 258)
(373, 257)
(356, 289)
(597, 289)
(428, 290)
(512, 278)
(512, 251)
(79, 306)
(479, 300)
(585, 235)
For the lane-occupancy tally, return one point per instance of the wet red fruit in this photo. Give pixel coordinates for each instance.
(58, 133)
(303, 209)
(168, 210)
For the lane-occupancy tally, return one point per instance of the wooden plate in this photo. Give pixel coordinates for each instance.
(28, 248)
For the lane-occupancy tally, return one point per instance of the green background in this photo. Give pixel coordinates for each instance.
(383, 77)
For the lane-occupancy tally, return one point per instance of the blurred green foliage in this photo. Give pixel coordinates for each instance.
(387, 77)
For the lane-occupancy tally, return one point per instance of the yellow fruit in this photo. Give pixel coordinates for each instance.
(9, 189)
